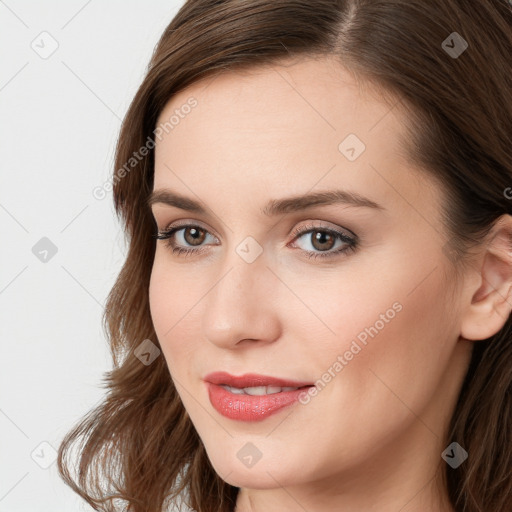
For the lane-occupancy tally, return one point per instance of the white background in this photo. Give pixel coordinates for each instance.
(59, 121)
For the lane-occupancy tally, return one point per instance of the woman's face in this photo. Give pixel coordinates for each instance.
(353, 296)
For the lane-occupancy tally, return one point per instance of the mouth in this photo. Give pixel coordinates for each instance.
(252, 397)
(260, 390)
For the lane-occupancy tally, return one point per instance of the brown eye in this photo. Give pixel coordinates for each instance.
(194, 236)
(322, 240)
(186, 240)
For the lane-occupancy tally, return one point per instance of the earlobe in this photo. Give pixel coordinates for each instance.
(491, 302)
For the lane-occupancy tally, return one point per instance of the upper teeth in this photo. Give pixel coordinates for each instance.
(258, 390)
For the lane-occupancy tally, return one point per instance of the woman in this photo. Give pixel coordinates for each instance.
(314, 312)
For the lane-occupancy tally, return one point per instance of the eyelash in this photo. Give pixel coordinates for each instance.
(352, 242)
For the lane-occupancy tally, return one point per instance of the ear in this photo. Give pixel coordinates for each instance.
(491, 298)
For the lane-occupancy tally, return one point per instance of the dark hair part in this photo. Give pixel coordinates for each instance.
(139, 447)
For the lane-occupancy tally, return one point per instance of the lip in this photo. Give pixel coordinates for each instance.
(250, 408)
(252, 379)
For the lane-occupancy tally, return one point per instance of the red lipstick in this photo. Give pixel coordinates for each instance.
(237, 405)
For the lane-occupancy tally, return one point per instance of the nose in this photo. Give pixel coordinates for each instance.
(241, 308)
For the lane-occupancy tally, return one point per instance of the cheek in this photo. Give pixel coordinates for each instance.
(162, 311)
(171, 306)
(381, 366)
(389, 341)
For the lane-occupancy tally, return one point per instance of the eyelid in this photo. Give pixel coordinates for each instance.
(186, 223)
(321, 225)
(297, 230)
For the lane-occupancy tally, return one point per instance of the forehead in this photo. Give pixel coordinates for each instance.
(283, 128)
(268, 100)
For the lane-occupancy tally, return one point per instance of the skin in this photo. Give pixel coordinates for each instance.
(372, 438)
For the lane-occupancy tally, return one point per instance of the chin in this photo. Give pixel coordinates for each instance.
(259, 476)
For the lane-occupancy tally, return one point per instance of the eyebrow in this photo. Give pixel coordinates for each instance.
(274, 206)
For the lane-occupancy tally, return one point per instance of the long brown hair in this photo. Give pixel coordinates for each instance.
(138, 448)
